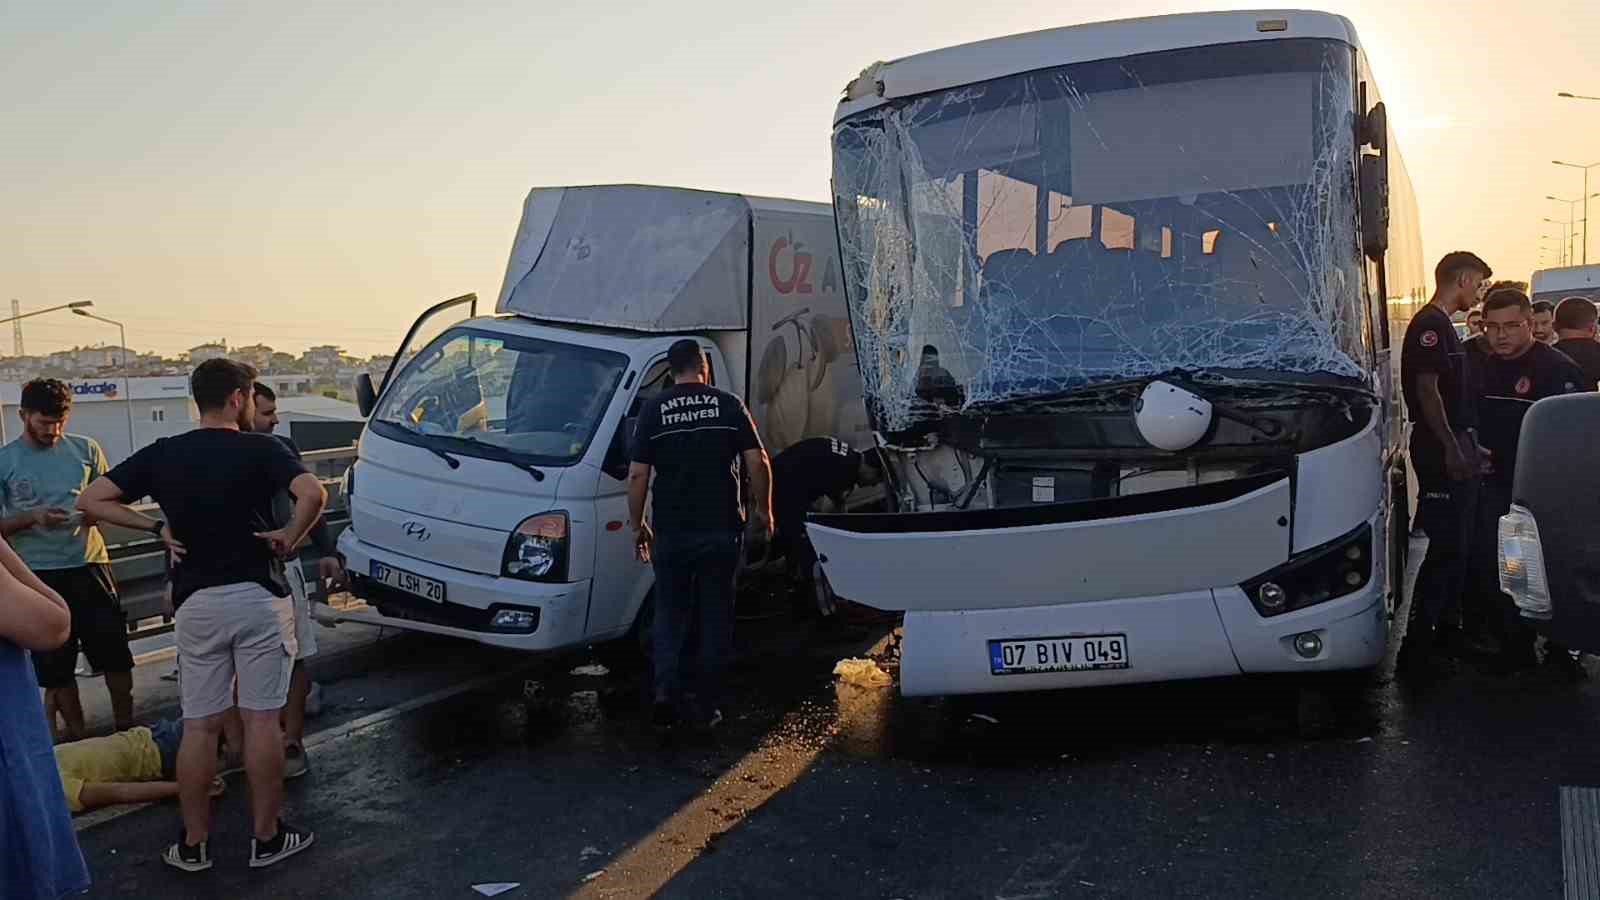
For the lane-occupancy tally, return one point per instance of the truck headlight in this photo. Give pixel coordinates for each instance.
(1340, 567)
(537, 549)
(1522, 573)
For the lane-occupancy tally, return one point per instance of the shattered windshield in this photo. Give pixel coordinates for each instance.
(502, 396)
(1104, 221)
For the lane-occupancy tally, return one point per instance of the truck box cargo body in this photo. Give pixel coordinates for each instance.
(488, 499)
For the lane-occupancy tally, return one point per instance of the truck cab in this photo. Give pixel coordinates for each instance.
(488, 500)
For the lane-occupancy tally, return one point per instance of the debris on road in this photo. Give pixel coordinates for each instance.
(496, 888)
(862, 673)
(985, 717)
(590, 851)
(593, 875)
(594, 670)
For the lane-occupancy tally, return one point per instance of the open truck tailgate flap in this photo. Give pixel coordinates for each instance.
(1165, 542)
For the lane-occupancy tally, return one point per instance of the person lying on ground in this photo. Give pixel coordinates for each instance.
(134, 766)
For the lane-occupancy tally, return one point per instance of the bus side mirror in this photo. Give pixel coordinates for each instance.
(366, 394)
(618, 454)
(1375, 205)
(1375, 128)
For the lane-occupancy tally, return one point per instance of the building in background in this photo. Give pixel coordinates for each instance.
(200, 354)
(287, 385)
(257, 355)
(326, 358)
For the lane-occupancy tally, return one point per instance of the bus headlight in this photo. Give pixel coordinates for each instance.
(1522, 573)
(1340, 567)
(537, 549)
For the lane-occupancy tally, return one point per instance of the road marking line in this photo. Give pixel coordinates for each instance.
(644, 869)
(1580, 842)
(101, 816)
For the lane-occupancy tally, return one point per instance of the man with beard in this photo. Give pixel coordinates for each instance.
(234, 616)
(42, 473)
(330, 571)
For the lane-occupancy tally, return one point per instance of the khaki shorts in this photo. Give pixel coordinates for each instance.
(234, 630)
(305, 628)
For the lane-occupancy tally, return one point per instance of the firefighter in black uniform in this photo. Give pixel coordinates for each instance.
(1444, 452)
(1518, 371)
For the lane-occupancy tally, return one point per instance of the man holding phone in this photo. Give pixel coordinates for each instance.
(42, 473)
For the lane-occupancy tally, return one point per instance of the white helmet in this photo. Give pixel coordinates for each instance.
(1171, 418)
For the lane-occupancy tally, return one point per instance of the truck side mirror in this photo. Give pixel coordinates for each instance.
(1375, 206)
(366, 394)
(619, 454)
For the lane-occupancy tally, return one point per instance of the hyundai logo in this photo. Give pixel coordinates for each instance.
(416, 530)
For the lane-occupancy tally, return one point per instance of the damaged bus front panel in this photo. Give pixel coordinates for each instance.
(1025, 256)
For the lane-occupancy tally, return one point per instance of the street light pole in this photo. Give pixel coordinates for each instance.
(1566, 238)
(1585, 170)
(127, 379)
(1571, 96)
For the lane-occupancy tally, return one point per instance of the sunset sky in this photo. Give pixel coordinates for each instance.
(303, 173)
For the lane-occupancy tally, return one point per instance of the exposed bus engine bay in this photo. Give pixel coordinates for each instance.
(1087, 445)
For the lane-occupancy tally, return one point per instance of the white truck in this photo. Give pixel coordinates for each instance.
(488, 500)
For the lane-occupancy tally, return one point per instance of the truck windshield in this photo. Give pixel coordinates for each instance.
(484, 394)
(1191, 209)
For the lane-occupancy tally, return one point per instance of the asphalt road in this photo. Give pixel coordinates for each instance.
(816, 787)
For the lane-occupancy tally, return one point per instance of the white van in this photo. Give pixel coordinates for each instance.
(488, 499)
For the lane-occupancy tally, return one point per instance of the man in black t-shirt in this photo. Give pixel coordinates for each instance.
(1518, 372)
(1444, 453)
(693, 437)
(234, 617)
(806, 472)
(1575, 332)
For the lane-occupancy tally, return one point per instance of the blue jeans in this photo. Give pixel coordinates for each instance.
(167, 734)
(693, 626)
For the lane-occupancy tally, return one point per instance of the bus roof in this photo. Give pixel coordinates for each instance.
(984, 60)
(1582, 279)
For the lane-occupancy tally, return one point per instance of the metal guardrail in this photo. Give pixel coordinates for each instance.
(138, 561)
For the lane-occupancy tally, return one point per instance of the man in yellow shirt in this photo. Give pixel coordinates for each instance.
(133, 766)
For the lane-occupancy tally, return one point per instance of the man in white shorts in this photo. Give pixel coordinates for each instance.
(234, 614)
(330, 575)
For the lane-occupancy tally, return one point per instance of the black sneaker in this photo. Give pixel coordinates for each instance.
(289, 841)
(189, 859)
(294, 762)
